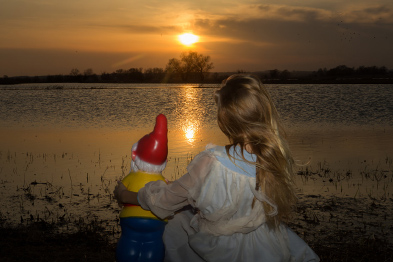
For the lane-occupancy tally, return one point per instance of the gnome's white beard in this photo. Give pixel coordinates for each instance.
(140, 165)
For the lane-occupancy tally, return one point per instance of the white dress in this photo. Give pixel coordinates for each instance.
(225, 228)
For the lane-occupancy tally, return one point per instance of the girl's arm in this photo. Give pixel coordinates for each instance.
(165, 199)
(123, 196)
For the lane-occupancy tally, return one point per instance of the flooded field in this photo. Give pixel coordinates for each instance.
(61, 154)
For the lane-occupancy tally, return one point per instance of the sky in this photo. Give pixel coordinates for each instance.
(48, 37)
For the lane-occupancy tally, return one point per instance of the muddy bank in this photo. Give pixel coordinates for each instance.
(346, 229)
(41, 241)
(338, 229)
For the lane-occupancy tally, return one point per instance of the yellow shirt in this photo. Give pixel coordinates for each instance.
(135, 181)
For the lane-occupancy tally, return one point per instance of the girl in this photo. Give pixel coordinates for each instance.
(240, 195)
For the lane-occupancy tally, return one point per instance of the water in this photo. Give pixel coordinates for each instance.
(66, 144)
(335, 105)
(357, 119)
(134, 105)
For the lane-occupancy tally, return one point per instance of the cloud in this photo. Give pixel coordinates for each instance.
(298, 37)
(142, 28)
(351, 14)
(370, 14)
(272, 12)
(277, 23)
(290, 13)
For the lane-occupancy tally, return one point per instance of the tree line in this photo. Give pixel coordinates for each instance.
(340, 73)
(190, 67)
(343, 70)
(194, 67)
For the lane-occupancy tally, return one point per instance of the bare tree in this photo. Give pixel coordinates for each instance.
(154, 74)
(189, 63)
(176, 66)
(88, 72)
(203, 65)
(74, 72)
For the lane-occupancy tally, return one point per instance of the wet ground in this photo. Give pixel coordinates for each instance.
(338, 228)
(56, 203)
(346, 229)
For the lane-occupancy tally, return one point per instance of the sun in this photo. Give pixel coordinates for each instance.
(188, 39)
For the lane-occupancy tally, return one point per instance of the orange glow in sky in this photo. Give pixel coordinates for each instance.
(51, 37)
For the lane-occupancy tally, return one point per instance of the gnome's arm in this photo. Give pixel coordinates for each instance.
(122, 195)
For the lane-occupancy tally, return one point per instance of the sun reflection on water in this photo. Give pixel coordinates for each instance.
(191, 115)
(189, 133)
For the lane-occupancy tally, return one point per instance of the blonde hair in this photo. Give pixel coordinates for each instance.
(248, 117)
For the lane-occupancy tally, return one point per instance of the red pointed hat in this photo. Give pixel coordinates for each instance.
(153, 148)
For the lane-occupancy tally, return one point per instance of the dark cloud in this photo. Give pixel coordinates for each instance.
(142, 29)
(380, 14)
(265, 8)
(378, 10)
(298, 13)
(307, 43)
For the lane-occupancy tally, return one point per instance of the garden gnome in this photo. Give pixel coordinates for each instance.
(141, 237)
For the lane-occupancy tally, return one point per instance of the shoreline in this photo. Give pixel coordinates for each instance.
(198, 84)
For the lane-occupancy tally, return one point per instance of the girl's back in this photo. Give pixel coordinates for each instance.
(226, 226)
(227, 193)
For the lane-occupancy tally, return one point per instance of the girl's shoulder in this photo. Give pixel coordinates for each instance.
(215, 150)
(234, 161)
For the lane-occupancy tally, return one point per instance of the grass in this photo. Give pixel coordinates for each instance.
(39, 241)
(339, 227)
(345, 229)
(44, 241)
(373, 182)
(359, 250)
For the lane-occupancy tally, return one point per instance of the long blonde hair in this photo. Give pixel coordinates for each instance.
(248, 117)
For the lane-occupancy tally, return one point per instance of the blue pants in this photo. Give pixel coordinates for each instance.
(141, 240)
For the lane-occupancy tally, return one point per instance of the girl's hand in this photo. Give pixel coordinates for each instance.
(117, 192)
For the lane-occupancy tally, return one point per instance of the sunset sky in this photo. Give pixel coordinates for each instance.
(44, 37)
